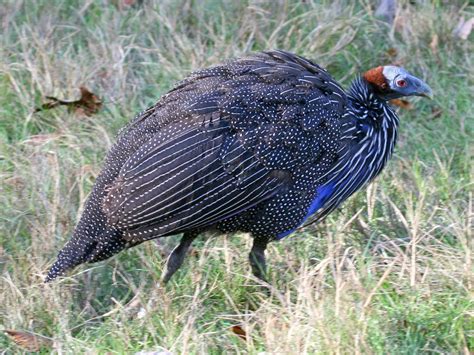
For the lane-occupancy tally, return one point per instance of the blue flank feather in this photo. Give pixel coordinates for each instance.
(323, 193)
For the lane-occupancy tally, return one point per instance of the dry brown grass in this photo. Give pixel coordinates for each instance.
(391, 272)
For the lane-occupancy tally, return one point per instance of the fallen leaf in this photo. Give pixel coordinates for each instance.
(404, 104)
(133, 2)
(194, 252)
(29, 341)
(392, 52)
(89, 101)
(436, 112)
(123, 4)
(392, 56)
(237, 330)
(88, 104)
(464, 28)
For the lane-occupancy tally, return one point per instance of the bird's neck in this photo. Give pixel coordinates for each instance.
(368, 136)
(370, 132)
(366, 105)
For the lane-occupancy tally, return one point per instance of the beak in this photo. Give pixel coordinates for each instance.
(422, 88)
(426, 92)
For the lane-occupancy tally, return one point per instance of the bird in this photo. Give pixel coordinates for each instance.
(263, 144)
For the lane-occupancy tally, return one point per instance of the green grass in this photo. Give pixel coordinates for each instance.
(390, 272)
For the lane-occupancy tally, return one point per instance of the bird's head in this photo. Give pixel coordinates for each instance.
(392, 82)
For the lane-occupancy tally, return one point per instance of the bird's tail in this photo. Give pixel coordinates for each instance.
(82, 248)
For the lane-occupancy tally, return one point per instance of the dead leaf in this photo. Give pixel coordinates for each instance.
(404, 104)
(88, 104)
(123, 4)
(29, 341)
(434, 44)
(464, 28)
(237, 330)
(436, 112)
(193, 252)
(391, 56)
(392, 52)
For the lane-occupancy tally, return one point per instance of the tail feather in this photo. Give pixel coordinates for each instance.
(83, 248)
(93, 240)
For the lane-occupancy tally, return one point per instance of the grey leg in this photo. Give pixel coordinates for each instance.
(257, 258)
(176, 258)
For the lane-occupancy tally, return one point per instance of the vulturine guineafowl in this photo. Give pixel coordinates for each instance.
(261, 144)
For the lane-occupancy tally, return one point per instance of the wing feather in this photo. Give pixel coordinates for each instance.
(183, 183)
(228, 138)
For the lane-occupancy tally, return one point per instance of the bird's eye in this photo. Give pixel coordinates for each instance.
(401, 83)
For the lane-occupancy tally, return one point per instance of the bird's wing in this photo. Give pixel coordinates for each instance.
(196, 179)
(229, 138)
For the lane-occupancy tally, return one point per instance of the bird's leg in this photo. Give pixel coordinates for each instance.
(257, 258)
(176, 258)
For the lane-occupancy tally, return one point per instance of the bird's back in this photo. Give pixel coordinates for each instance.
(240, 146)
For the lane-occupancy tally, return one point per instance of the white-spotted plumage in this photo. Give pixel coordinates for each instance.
(260, 144)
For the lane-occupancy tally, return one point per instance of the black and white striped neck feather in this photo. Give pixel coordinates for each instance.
(369, 134)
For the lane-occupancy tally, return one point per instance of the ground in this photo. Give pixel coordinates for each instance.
(389, 272)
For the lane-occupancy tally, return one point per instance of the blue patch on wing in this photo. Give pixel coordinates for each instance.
(284, 234)
(323, 193)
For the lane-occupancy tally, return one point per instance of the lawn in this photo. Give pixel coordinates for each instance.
(389, 272)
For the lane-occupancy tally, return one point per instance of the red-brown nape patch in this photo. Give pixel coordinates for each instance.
(375, 77)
